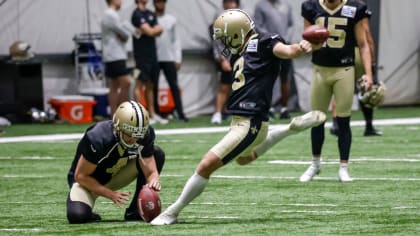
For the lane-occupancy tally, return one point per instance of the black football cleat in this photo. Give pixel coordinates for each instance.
(184, 119)
(372, 132)
(131, 215)
(284, 115)
(334, 130)
(95, 217)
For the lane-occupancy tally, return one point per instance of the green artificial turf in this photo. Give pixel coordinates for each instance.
(263, 198)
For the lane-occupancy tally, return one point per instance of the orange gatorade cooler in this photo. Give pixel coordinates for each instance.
(74, 108)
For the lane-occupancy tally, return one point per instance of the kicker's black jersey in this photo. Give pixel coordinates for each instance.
(338, 50)
(255, 71)
(101, 147)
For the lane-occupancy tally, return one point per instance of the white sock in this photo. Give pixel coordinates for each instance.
(192, 189)
(273, 137)
(316, 161)
(344, 165)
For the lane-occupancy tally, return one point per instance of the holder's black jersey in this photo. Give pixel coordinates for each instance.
(338, 50)
(101, 147)
(255, 71)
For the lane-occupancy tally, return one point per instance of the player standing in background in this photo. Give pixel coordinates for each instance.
(110, 156)
(114, 38)
(255, 60)
(334, 72)
(225, 69)
(144, 50)
(275, 16)
(359, 72)
(169, 54)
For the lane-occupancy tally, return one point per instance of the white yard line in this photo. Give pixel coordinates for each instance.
(238, 177)
(361, 159)
(28, 158)
(21, 229)
(60, 137)
(270, 204)
(282, 162)
(212, 217)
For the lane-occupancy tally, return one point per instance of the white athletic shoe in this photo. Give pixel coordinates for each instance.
(157, 119)
(308, 120)
(165, 218)
(216, 118)
(310, 173)
(343, 175)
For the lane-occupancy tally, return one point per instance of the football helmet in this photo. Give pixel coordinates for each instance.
(19, 51)
(132, 119)
(232, 27)
(372, 97)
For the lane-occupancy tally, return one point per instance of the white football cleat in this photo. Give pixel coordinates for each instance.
(308, 120)
(216, 118)
(165, 218)
(310, 173)
(157, 119)
(343, 175)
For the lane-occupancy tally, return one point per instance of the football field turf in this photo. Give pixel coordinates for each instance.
(263, 198)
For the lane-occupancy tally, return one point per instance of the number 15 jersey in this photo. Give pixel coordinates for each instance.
(338, 50)
(255, 71)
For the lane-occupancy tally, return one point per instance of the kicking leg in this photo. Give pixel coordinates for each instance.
(192, 189)
(298, 124)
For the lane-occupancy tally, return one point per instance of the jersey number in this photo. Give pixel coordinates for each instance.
(239, 77)
(338, 38)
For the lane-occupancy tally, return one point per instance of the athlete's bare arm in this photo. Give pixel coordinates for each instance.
(285, 51)
(364, 48)
(148, 166)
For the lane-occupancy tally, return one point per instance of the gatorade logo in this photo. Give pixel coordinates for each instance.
(76, 112)
(163, 97)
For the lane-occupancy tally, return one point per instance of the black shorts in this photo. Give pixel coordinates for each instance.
(116, 69)
(225, 77)
(286, 67)
(149, 71)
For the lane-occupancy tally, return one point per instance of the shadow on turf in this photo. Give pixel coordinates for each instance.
(246, 221)
(200, 221)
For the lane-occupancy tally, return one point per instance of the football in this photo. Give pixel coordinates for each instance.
(315, 34)
(148, 203)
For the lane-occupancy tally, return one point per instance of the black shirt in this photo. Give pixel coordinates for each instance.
(101, 147)
(255, 72)
(339, 48)
(144, 48)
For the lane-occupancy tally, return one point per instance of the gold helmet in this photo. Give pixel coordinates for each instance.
(132, 119)
(370, 97)
(232, 27)
(19, 51)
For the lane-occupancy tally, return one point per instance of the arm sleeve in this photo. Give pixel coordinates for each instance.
(137, 19)
(154, 21)
(89, 150)
(307, 13)
(177, 44)
(362, 12)
(116, 26)
(148, 143)
(268, 42)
